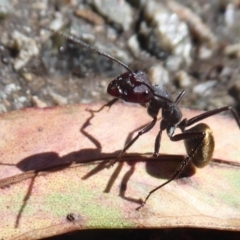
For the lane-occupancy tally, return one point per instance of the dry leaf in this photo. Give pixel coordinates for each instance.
(83, 194)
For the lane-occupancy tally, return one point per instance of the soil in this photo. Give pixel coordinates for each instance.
(74, 74)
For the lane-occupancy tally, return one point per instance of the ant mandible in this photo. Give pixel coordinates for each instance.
(135, 87)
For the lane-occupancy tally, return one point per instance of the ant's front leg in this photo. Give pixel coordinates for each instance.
(109, 104)
(163, 126)
(144, 130)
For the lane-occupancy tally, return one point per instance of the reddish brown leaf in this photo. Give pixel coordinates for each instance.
(72, 197)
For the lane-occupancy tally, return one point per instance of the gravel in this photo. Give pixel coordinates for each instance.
(185, 44)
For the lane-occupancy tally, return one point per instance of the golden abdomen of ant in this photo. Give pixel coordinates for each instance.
(204, 152)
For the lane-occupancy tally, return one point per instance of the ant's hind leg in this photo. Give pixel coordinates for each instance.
(211, 113)
(109, 104)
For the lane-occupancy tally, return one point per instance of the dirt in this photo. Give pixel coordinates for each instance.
(75, 74)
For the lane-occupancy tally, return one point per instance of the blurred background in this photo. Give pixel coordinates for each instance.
(186, 44)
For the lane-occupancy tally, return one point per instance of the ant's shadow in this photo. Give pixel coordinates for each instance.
(162, 168)
(50, 161)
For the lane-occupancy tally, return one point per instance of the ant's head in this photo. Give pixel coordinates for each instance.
(133, 87)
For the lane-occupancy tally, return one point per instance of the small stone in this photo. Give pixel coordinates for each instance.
(204, 52)
(28, 76)
(133, 45)
(5, 8)
(158, 75)
(26, 46)
(165, 33)
(229, 15)
(182, 79)
(38, 103)
(195, 23)
(232, 51)
(90, 16)
(60, 100)
(205, 89)
(116, 11)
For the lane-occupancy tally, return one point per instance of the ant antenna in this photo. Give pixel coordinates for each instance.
(80, 42)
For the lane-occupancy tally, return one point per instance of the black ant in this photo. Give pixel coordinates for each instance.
(135, 87)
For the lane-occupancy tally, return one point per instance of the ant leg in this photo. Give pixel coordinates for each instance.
(180, 96)
(157, 143)
(184, 163)
(109, 104)
(158, 138)
(144, 130)
(209, 114)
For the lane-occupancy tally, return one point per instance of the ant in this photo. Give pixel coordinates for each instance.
(135, 87)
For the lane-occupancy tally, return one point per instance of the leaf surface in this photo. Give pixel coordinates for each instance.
(76, 191)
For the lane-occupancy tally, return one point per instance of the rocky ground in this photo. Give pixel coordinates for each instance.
(191, 45)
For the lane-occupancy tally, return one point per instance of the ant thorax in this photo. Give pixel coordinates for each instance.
(158, 103)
